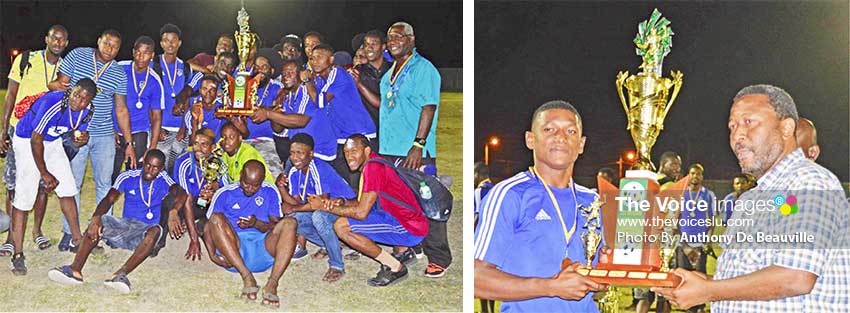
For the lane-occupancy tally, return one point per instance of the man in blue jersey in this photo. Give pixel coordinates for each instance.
(311, 40)
(482, 185)
(528, 224)
(188, 172)
(225, 63)
(336, 92)
(144, 190)
(109, 104)
(146, 100)
(44, 165)
(260, 134)
(410, 99)
(202, 112)
(740, 183)
(175, 74)
(298, 113)
(247, 232)
(311, 179)
(695, 224)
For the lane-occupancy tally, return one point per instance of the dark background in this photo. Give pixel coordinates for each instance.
(529, 53)
(437, 24)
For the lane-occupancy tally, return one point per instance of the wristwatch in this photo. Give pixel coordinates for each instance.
(305, 80)
(419, 142)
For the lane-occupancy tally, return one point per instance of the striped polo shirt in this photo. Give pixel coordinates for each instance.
(80, 63)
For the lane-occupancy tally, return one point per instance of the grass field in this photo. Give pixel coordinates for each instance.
(171, 283)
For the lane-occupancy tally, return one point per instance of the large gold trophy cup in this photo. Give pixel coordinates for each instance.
(240, 93)
(650, 94)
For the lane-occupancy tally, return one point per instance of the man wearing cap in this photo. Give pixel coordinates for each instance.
(368, 76)
(410, 96)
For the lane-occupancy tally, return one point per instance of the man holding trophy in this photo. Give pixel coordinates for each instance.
(528, 224)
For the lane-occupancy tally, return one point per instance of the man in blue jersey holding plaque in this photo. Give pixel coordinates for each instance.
(530, 222)
(144, 190)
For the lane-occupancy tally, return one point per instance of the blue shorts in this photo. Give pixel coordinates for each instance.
(252, 248)
(382, 227)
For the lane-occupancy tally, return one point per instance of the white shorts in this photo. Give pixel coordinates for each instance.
(27, 177)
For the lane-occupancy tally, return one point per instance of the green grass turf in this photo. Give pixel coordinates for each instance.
(171, 283)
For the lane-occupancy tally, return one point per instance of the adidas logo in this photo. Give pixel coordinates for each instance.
(236, 206)
(132, 191)
(542, 216)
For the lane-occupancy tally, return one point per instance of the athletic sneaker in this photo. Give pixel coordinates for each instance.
(120, 282)
(299, 253)
(387, 277)
(435, 271)
(408, 257)
(64, 275)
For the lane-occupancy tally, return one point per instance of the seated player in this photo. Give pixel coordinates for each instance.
(247, 232)
(43, 165)
(237, 153)
(144, 190)
(189, 174)
(307, 179)
(386, 211)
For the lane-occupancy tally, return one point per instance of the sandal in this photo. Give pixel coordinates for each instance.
(271, 300)
(352, 256)
(333, 275)
(19, 266)
(7, 249)
(321, 254)
(42, 242)
(248, 292)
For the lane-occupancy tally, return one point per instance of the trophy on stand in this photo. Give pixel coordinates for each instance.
(212, 168)
(239, 94)
(633, 223)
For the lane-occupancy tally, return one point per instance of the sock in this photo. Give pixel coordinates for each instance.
(388, 260)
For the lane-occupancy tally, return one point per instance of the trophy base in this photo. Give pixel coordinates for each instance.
(222, 112)
(628, 275)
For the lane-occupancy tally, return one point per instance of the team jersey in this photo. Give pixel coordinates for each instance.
(142, 200)
(320, 179)
(81, 63)
(191, 177)
(142, 97)
(48, 117)
(233, 204)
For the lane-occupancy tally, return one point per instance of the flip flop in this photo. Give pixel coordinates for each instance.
(270, 300)
(19, 266)
(42, 242)
(7, 249)
(248, 291)
(333, 275)
(321, 254)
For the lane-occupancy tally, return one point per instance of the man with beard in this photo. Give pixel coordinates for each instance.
(110, 105)
(175, 74)
(203, 62)
(237, 153)
(247, 232)
(311, 179)
(368, 76)
(410, 96)
(44, 164)
(799, 276)
(336, 92)
(144, 190)
(147, 100)
(28, 78)
(528, 224)
(260, 134)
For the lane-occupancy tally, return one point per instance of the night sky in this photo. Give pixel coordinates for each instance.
(437, 24)
(529, 53)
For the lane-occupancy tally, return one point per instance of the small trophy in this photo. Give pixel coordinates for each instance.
(591, 238)
(239, 94)
(650, 95)
(213, 168)
(668, 248)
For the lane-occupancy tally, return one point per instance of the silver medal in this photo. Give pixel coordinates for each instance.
(139, 104)
(149, 215)
(173, 95)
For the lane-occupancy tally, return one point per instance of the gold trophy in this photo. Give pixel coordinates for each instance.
(212, 168)
(650, 95)
(591, 238)
(239, 94)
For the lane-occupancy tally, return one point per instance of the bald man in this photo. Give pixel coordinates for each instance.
(247, 233)
(807, 138)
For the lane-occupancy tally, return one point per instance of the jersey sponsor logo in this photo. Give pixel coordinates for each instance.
(542, 216)
(57, 131)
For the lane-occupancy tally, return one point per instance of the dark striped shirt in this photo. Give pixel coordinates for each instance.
(79, 64)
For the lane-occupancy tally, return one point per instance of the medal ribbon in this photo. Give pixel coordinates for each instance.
(135, 85)
(397, 77)
(96, 72)
(567, 234)
(171, 79)
(304, 185)
(195, 169)
(55, 66)
(150, 194)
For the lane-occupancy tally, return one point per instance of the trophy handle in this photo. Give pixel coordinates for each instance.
(677, 84)
(621, 79)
